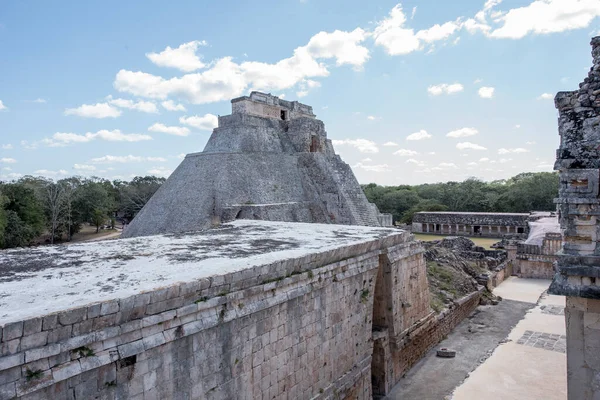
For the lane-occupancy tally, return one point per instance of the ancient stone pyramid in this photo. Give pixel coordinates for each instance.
(269, 160)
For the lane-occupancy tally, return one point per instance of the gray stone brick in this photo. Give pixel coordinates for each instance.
(83, 327)
(49, 322)
(60, 334)
(11, 361)
(10, 347)
(93, 311)
(10, 375)
(32, 326)
(110, 307)
(12, 331)
(130, 349)
(71, 317)
(42, 352)
(8, 391)
(67, 370)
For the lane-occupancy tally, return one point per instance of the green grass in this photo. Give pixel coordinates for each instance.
(479, 241)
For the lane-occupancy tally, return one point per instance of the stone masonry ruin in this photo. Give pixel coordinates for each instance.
(270, 160)
(578, 265)
(471, 223)
(249, 309)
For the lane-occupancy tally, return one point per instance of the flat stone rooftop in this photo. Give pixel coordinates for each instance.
(42, 280)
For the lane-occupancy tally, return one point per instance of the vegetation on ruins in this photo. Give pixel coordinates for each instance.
(35, 206)
(522, 193)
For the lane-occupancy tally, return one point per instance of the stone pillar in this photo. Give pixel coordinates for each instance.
(457, 229)
(578, 264)
(427, 228)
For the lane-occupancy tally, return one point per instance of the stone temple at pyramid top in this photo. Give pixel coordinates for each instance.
(269, 106)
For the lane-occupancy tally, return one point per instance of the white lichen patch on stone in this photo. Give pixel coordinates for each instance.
(42, 280)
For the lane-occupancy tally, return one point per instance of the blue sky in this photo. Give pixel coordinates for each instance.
(410, 92)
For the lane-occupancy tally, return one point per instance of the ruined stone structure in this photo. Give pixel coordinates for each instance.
(578, 266)
(270, 160)
(250, 309)
(471, 223)
(535, 257)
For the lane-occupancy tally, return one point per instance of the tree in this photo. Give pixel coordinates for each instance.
(98, 218)
(25, 219)
(55, 203)
(134, 195)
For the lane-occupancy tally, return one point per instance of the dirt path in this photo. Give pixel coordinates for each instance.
(474, 340)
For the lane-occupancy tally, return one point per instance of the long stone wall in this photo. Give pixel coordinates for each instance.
(292, 313)
(471, 224)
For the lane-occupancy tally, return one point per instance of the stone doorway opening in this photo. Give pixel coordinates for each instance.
(477, 229)
(314, 144)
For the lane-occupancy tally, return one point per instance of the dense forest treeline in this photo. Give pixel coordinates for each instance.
(522, 193)
(34, 206)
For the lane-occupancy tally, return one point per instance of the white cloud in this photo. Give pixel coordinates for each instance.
(393, 35)
(414, 12)
(436, 90)
(478, 80)
(171, 130)
(447, 165)
(225, 79)
(472, 164)
(183, 57)
(515, 150)
(546, 16)
(125, 159)
(98, 110)
(64, 138)
(84, 167)
(170, 105)
(486, 92)
(544, 167)
(6, 146)
(371, 118)
(343, 46)
(546, 96)
(405, 153)
(362, 145)
(40, 100)
(530, 143)
(504, 160)
(469, 146)
(416, 162)
(144, 106)
(160, 171)
(517, 126)
(422, 134)
(373, 168)
(52, 174)
(2, 106)
(7, 160)
(484, 159)
(366, 160)
(390, 144)
(207, 122)
(463, 132)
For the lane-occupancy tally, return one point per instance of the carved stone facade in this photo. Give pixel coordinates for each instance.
(270, 160)
(578, 265)
(471, 224)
